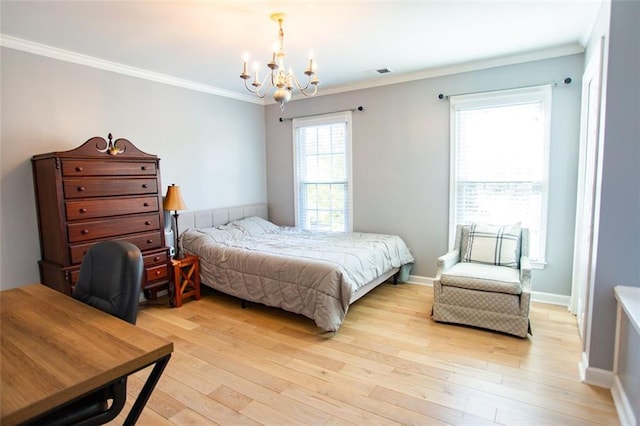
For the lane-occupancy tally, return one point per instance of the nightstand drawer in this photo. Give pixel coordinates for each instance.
(113, 227)
(91, 209)
(83, 188)
(107, 168)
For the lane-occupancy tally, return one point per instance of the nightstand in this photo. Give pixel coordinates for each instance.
(186, 279)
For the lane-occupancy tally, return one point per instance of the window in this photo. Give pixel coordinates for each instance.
(499, 161)
(322, 172)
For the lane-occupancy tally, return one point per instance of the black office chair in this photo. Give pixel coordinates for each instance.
(110, 280)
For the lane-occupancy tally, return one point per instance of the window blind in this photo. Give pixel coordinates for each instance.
(322, 172)
(500, 163)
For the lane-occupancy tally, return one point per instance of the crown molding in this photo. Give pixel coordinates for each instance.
(93, 62)
(554, 52)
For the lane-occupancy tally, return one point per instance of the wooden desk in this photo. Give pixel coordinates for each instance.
(56, 349)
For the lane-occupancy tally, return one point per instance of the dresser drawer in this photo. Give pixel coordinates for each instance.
(91, 187)
(155, 267)
(90, 209)
(155, 258)
(75, 274)
(155, 273)
(112, 227)
(146, 241)
(107, 168)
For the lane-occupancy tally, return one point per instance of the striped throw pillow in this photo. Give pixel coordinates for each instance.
(493, 245)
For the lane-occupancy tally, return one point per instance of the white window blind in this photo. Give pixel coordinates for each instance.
(322, 147)
(500, 147)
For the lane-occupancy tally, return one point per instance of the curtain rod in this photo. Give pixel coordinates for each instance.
(360, 108)
(442, 96)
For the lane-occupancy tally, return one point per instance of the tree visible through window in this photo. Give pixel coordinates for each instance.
(323, 172)
(499, 160)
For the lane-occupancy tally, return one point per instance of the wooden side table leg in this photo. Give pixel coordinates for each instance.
(177, 280)
(196, 280)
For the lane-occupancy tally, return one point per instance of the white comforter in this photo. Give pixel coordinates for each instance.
(310, 273)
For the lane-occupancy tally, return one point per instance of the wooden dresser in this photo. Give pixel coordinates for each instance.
(98, 191)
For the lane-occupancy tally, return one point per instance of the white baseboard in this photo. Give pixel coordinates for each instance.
(417, 279)
(550, 298)
(594, 376)
(622, 403)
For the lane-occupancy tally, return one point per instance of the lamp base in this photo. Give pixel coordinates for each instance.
(179, 253)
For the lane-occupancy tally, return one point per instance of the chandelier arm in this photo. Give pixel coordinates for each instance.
(315, 90)
(297, 82)
(257, 89)
(303, 90)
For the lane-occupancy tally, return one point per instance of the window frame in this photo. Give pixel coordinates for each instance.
(320, 120)
(495, 99)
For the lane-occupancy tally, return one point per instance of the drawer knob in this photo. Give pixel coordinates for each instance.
(147, 223)
(143, 168)
(79, 169)
(81, 188)
(84, 231)
(155, 259)
(149, 241)
(144, 185)
(146, 204)
(158, 272)
(83, 210)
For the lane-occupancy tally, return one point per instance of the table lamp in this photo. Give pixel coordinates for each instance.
(173, 201)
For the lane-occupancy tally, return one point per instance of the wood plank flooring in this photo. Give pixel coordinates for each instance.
(389, 364)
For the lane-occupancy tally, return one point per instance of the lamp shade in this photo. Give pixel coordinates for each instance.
(173, 199)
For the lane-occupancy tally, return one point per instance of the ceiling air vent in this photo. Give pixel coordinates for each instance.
(383, 71)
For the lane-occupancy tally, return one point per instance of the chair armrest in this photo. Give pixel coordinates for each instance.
(446, 261)
(525, 273)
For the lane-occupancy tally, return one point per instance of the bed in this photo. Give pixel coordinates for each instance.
(314, 274)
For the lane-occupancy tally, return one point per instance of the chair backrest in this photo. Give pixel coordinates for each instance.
(110, 279)
(462, 235)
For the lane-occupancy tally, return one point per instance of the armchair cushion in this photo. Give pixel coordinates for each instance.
(492, 245)
(477, 276)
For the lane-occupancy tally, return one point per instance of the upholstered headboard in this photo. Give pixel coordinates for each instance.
(217, 217)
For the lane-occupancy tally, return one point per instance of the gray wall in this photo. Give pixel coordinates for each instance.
(401, 159)
(203, 141)
(617, 251)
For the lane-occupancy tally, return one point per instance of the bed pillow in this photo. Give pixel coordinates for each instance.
(223, 233)
(493, 245)
(255, 226)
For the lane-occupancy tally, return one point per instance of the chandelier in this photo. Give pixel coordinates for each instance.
(277, 77)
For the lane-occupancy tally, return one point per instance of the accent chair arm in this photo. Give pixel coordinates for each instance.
(446, 261)
(525, 273)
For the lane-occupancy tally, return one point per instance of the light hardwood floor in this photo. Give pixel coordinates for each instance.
(388, 364)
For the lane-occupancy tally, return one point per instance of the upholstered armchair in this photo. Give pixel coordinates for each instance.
(485, 280)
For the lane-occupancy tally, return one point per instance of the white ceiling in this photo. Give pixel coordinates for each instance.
(203, 41)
